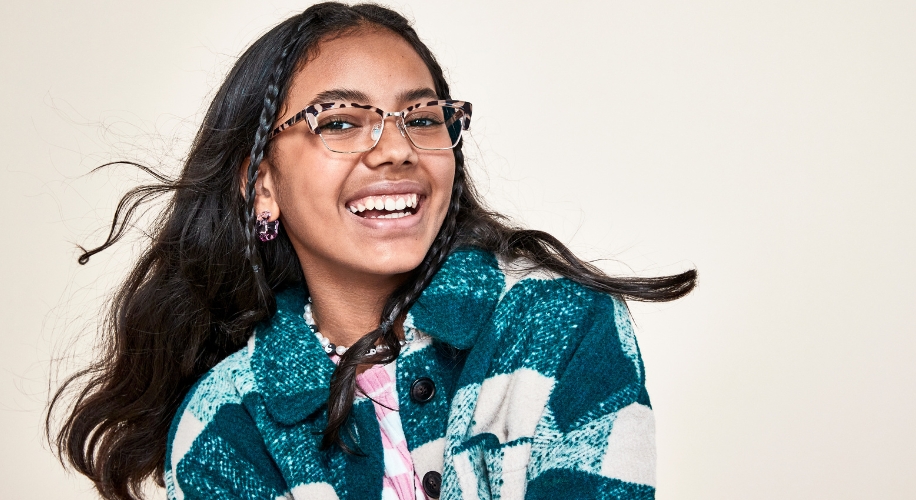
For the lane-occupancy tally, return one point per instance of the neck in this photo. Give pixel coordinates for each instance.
(346, 306)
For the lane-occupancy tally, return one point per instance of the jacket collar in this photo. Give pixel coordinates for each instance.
(293, 372)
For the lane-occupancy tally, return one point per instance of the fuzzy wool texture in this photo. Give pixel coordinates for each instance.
(544, 397)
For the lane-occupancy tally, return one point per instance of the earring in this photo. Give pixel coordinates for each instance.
(267, 229)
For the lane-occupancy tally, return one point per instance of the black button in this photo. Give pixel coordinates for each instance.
(422, 389)
(432, 484)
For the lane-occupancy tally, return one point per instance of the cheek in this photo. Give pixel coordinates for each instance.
(308, 193)
(444, 180)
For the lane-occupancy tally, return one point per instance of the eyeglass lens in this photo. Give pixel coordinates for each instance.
(349, 130)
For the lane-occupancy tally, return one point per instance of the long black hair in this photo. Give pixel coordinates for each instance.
(205, 280)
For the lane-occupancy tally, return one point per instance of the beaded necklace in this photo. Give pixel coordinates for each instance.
(331, 348)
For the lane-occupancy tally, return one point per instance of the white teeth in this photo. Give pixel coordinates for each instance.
(388, 203)
(395, 215)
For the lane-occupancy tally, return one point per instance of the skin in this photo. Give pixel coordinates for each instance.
(352, 264)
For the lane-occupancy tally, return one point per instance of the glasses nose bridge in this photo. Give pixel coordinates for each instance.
(398, 122)
(379, 128)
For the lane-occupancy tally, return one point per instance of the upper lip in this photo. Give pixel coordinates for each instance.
(388, 188)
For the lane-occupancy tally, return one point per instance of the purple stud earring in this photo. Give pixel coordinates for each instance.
(267, 229)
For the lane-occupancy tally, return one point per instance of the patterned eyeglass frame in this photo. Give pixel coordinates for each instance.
(310, 116)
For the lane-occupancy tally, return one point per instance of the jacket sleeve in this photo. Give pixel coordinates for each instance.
(553, 403)
(216, 451)
(596, 436)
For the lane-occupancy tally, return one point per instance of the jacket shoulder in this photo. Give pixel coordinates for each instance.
(568, 330)
(210, 427)
(558, 394)
(226, 383)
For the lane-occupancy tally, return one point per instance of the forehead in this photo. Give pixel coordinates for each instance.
(376, 62)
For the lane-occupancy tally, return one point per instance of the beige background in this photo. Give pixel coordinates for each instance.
(770, 144)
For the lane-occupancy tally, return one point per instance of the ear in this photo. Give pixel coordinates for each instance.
(265, 189)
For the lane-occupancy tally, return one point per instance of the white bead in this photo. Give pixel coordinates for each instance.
(324, 341)
(341, 350)
(372, 351)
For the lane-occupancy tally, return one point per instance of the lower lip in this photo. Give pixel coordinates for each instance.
(393, 224)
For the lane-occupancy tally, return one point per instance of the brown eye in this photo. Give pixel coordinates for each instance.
(423, 120)
(335, 125)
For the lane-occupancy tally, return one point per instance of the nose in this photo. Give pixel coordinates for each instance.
(393, 149)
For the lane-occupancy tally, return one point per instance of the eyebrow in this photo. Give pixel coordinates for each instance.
(418, 93)
(357, 96)
(340, 95)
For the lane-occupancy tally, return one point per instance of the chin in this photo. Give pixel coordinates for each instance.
(392, 262)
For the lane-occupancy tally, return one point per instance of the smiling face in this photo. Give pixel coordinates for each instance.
(358, 215)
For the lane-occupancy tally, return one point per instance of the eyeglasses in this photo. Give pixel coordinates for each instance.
(356, 128)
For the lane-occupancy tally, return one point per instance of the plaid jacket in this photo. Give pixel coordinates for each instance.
(527, 386)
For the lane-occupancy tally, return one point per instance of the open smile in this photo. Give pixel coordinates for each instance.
(388, 206)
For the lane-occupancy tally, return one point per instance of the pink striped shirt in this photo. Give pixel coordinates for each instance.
(400, 481)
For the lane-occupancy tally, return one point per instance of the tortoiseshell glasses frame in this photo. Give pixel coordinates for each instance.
(357, 128)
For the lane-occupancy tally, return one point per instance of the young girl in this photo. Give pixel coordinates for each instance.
(327, 310)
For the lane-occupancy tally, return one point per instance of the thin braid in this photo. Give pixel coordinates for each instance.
(258, 149)
(438, 253)
(343, 382)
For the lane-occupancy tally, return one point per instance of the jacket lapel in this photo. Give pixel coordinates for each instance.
(458, 303)
(291, 369)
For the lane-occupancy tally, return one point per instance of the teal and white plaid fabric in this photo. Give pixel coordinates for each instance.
(540, 393)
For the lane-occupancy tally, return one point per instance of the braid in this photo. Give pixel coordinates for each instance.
(258, 149)
(435, 257)
(343, 382)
